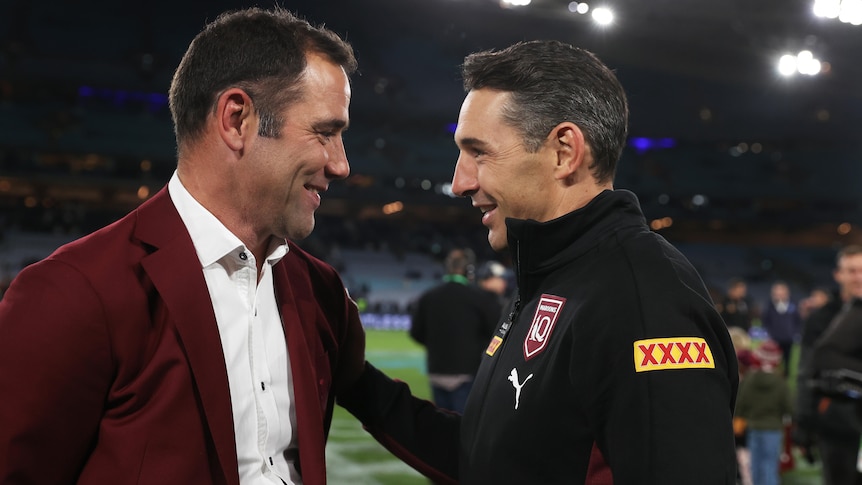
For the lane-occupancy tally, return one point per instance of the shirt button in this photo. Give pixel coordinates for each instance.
(243, 256)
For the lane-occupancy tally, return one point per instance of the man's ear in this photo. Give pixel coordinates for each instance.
(568, 141)
(235, 118)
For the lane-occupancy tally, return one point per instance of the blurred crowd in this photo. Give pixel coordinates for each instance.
(800, 358)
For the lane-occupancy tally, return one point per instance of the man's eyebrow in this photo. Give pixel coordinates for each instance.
(332, 124)
(470, 142)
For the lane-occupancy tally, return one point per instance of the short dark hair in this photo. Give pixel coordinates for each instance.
(552, 82)
(259, 51)
(849, 250)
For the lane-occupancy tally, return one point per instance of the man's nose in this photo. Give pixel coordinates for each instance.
(464, 180)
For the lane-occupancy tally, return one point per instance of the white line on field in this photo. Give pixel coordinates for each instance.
(348, 438)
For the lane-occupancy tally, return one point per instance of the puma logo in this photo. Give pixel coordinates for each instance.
(513, 378)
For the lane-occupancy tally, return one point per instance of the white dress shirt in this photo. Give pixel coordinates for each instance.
(252, 339)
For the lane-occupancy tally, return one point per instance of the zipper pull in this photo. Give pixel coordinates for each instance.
(511, 318)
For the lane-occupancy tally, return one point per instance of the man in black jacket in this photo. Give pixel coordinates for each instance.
(454, 321)
(832, 340)
(612, 363)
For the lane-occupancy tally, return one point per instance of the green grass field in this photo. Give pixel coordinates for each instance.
(354, 458)
(352, 455)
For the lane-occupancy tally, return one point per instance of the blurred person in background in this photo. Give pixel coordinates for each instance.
(736, 307)
(612, 364)
(830, 426)
(747, 362)
(782, 321)
(193, 341)
(491, 276)
(454, 321)
(764, 403)
(818, 297)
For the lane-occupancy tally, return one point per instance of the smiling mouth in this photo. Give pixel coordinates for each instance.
(487, 211)
(315, 190)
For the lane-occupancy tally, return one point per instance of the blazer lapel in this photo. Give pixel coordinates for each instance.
(298, 314)
(176, 273)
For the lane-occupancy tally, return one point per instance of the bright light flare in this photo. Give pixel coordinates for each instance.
(787, 65)
(604, 16)
(802, 63)
(579, 7)
(847, 11)
(829, 9)
(851, 12)
(807, 64)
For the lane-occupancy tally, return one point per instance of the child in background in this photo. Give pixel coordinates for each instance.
(764, 402)
(746, 361)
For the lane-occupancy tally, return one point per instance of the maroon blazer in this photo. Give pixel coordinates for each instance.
(111, 368)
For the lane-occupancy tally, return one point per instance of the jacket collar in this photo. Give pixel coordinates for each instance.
(537, 248)
(176, 274)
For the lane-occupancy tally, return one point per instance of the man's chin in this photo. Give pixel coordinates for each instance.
(498, 242)
(300, 233)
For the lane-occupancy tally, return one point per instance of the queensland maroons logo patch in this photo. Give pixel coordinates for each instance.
(543, 324)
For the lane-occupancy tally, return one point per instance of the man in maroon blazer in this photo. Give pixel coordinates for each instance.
(191, 342)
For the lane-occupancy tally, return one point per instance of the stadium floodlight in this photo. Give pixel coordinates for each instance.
(603, 16)
(787, 65)
(802, 63)
(851, 12)
(514, 3)
(829, 9)
(579, 7)
(807, 64)
(847, 11)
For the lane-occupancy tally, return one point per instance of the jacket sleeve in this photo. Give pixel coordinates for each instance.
(670, 426)
(55, 372)
(663, 375)
(422, 435)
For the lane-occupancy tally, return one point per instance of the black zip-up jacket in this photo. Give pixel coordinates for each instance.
(612, 341)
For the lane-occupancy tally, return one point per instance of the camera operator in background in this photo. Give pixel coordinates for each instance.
(832, 340)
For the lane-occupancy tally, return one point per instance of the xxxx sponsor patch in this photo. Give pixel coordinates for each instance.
(672, 353)
(493, 345)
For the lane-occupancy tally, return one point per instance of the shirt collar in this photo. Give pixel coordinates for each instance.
(212, 240)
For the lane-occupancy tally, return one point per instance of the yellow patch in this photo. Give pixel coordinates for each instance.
(672, 353)
(492, 347)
